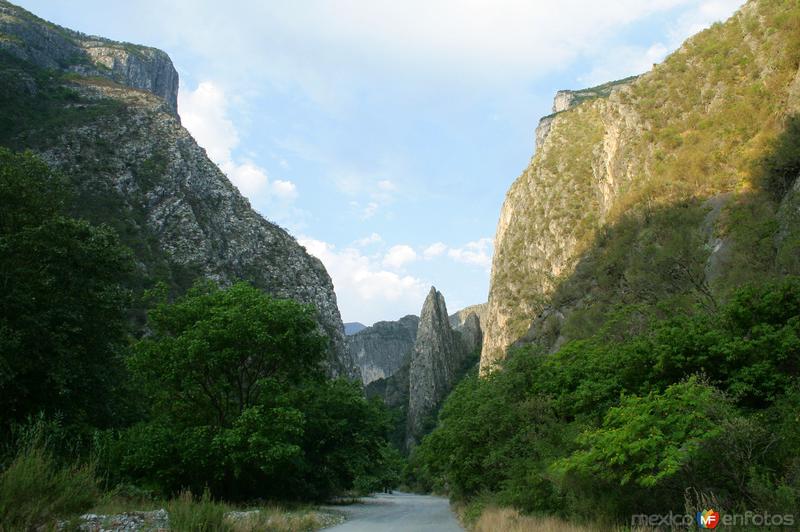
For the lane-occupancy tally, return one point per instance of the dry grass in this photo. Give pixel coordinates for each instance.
(493, 519)
(279, 519)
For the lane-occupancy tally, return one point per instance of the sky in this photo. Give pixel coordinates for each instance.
(383, 135)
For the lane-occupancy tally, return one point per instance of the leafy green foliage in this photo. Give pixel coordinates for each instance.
(617, 424)
(62, 309)
(215, 353)
(239, 404)
(649, 439)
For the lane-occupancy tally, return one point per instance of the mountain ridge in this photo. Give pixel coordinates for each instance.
(676, 150)
(138, 170)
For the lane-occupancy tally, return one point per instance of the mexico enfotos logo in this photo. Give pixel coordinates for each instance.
(709, 519)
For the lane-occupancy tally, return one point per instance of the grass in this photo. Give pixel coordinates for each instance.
(495, 518)
(202, 513)
(187, 512)
(36, 491)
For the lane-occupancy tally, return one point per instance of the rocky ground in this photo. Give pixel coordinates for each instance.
(158, 520)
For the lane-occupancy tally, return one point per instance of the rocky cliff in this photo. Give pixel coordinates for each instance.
(653, 190)
(419, 370)
(437, 362)
(49, 46)
(104, 114)
(380, 350)
(458, 318)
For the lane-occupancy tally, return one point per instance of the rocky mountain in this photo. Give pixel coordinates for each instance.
(668, 189)
(49, 46)
(104, 114)
(458, 318)
(380, 350)
(353, 327)
(437, 363)
(419, 369)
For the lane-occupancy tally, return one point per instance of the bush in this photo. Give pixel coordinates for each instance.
(35, 490)
(198, 514)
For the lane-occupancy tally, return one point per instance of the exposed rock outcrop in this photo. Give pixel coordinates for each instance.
(471, 334)
(441, 351)
(49, 46)
(458, 318)
(437, 362)
(628, 169)
(135, 168)
(380, 350)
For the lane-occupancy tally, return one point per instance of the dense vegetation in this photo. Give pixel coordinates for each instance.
(693, 409)
(226, 393)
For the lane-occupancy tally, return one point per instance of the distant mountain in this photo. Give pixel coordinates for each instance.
(353, 327)
(379, 351)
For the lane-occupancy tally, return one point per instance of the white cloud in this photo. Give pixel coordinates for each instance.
(284, 189)
(204, 112)
(434, 250)
(617, 62)
(318, 45)
(370, 210)
(700, 17)
(623, 61)
(398, 256)
(478, 253)
(250, 179)
(364, 290)
(374, 238)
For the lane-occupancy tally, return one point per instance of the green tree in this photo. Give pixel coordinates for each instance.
(649, 439)
(63, 324)
(239, 403)
(215, 353)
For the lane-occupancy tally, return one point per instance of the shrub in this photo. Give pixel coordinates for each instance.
(35, 490)
(198, 514)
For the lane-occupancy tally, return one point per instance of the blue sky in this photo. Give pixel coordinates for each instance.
(384, 134)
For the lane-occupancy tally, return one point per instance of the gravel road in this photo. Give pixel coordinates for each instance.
(398, 512)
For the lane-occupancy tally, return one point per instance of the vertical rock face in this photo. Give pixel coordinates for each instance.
(137, 169)
(471, 334)
(563, 101)
(438, 354)
(458, 318)
(419, 369)
(380, 350)
(622, 168)
(47, 45)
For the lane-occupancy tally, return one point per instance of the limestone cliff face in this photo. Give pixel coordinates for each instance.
(436, 359)
(50, 46)
(380, 350)
(137, 169)
(623, 168)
